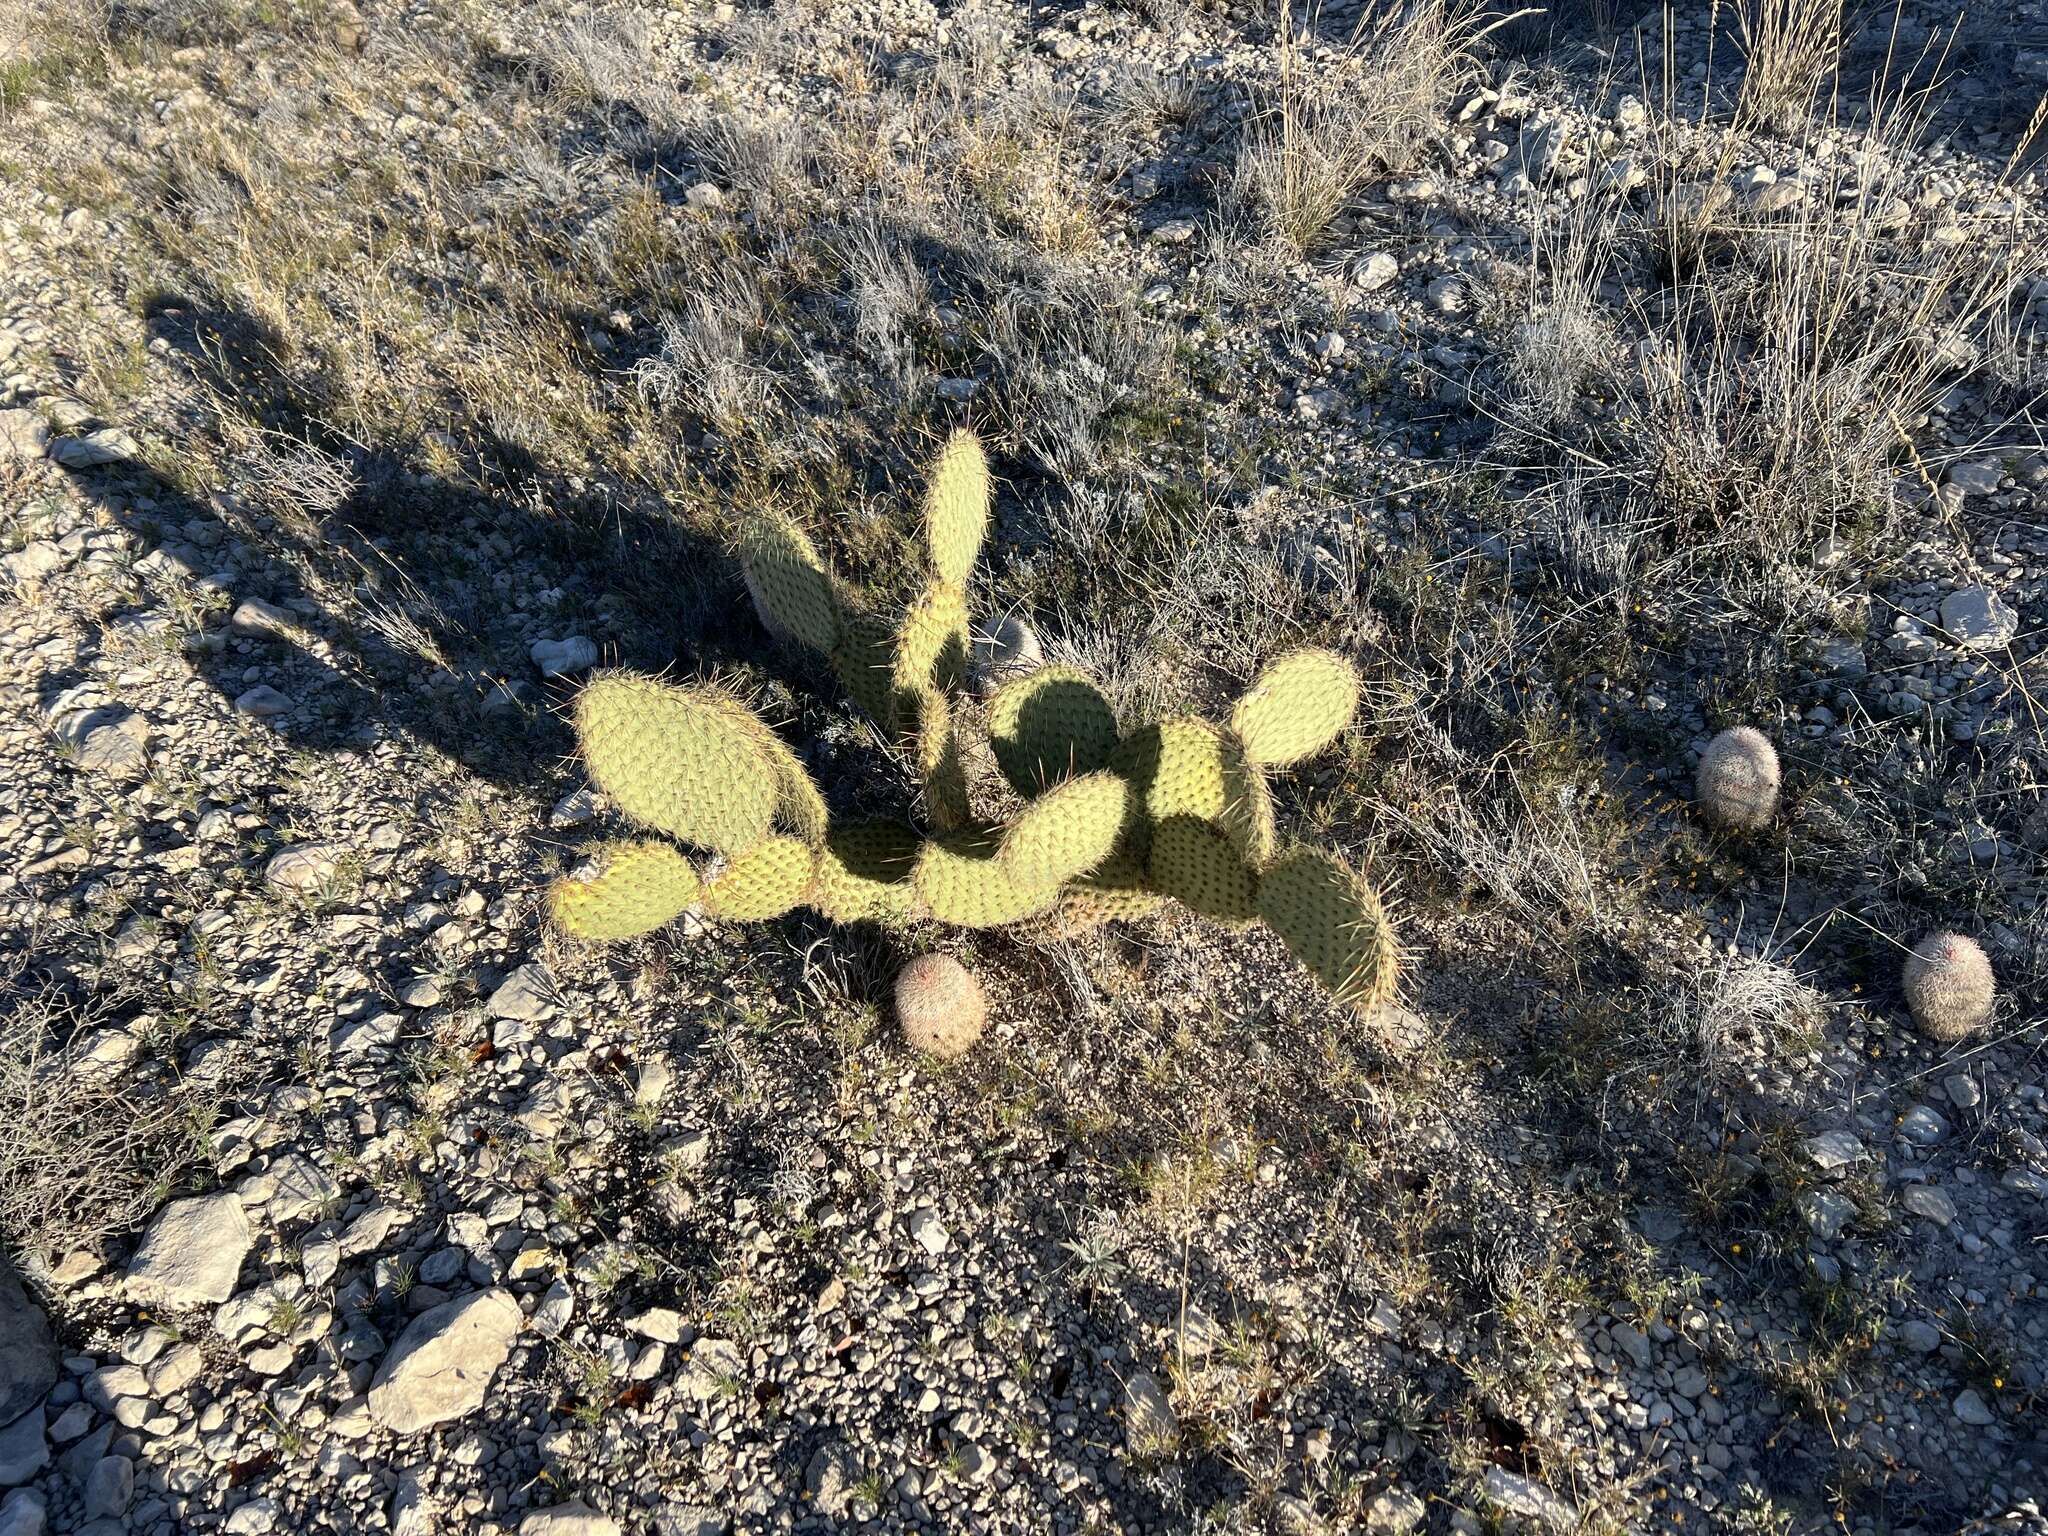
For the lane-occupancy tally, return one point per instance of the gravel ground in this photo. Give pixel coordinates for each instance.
(367, 377)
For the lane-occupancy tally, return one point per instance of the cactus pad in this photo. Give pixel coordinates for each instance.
(864, 660)
(1297, 707)
(765, 881)
(1335, 924)
(1247, 816)
(939, 765)
(931, 648)
(1050, 725)
(791, 588)
(1177, 767)
(1196, 865)
(959, 880)
(956, 508)
(863, 873)
(685, 761)
(637, 887)
(1067, 831)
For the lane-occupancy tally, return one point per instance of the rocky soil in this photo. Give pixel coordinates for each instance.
(367, 377)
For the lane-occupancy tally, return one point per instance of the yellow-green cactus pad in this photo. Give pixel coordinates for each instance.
(1050, 725)
(687, 761)
(1296, 707)
(931, 648)
(765, 881)
(1335, 924)
(863, 873)
(1177, 768)
(799, 806)
(1067, 831)
(637, 887)
(791, 588)
(1196, 865)
(960, 880)
(1247, 816)
(939, 765)
(956, 508)
(865, 662)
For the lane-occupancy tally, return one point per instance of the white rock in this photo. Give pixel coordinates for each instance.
(1977, 619)
(574, 1518)
(1530, 1500)
(1374, 272)
(443, 1363)
(22, 435)
(1150, 1427)
(927, 1232)
(24, 1512)
(1833, 1150)
(304, 867)
(564, 658)
(1974, 477)
(192, 1254)
(1925, 1200)
(1971, 1408)
(262, 702)
(712, 1366)
(253, 617)
(24, 1449)
(109, 1488)
(28, 1352)
(1002, 649)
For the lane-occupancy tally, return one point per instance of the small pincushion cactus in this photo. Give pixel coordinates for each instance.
(1738, 779)
(1949, 985)
(941, 1006)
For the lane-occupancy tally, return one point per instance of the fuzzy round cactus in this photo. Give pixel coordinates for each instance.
(941, 1006)
(1738, 779)
(1949, 985)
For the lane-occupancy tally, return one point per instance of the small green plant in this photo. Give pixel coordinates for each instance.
(1113, 822)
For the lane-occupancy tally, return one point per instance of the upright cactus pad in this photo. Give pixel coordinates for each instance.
(765, 881)
(939, 764)
(791, 588)
(956, 508)
(1247, 816)
(635, 888)
(1335, 924)
(1196, 865)
(863, 873)
(685, 761)
(864, 661)
(931, 648)
(1297, 707)
(1067, 831)
(960, 880)
(1050, 725)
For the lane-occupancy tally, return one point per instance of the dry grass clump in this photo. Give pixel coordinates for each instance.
(1763, 391)
(81, 1155)
(44, 43)
(1790, 49)
(1333, 126)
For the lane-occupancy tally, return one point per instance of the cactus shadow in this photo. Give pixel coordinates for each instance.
(391, 604)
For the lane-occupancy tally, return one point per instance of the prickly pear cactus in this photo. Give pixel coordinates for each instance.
(688, 761)
(1113, 824)
(1050, 725)
(1335, 924)
(632, 888)
(1297, 707)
